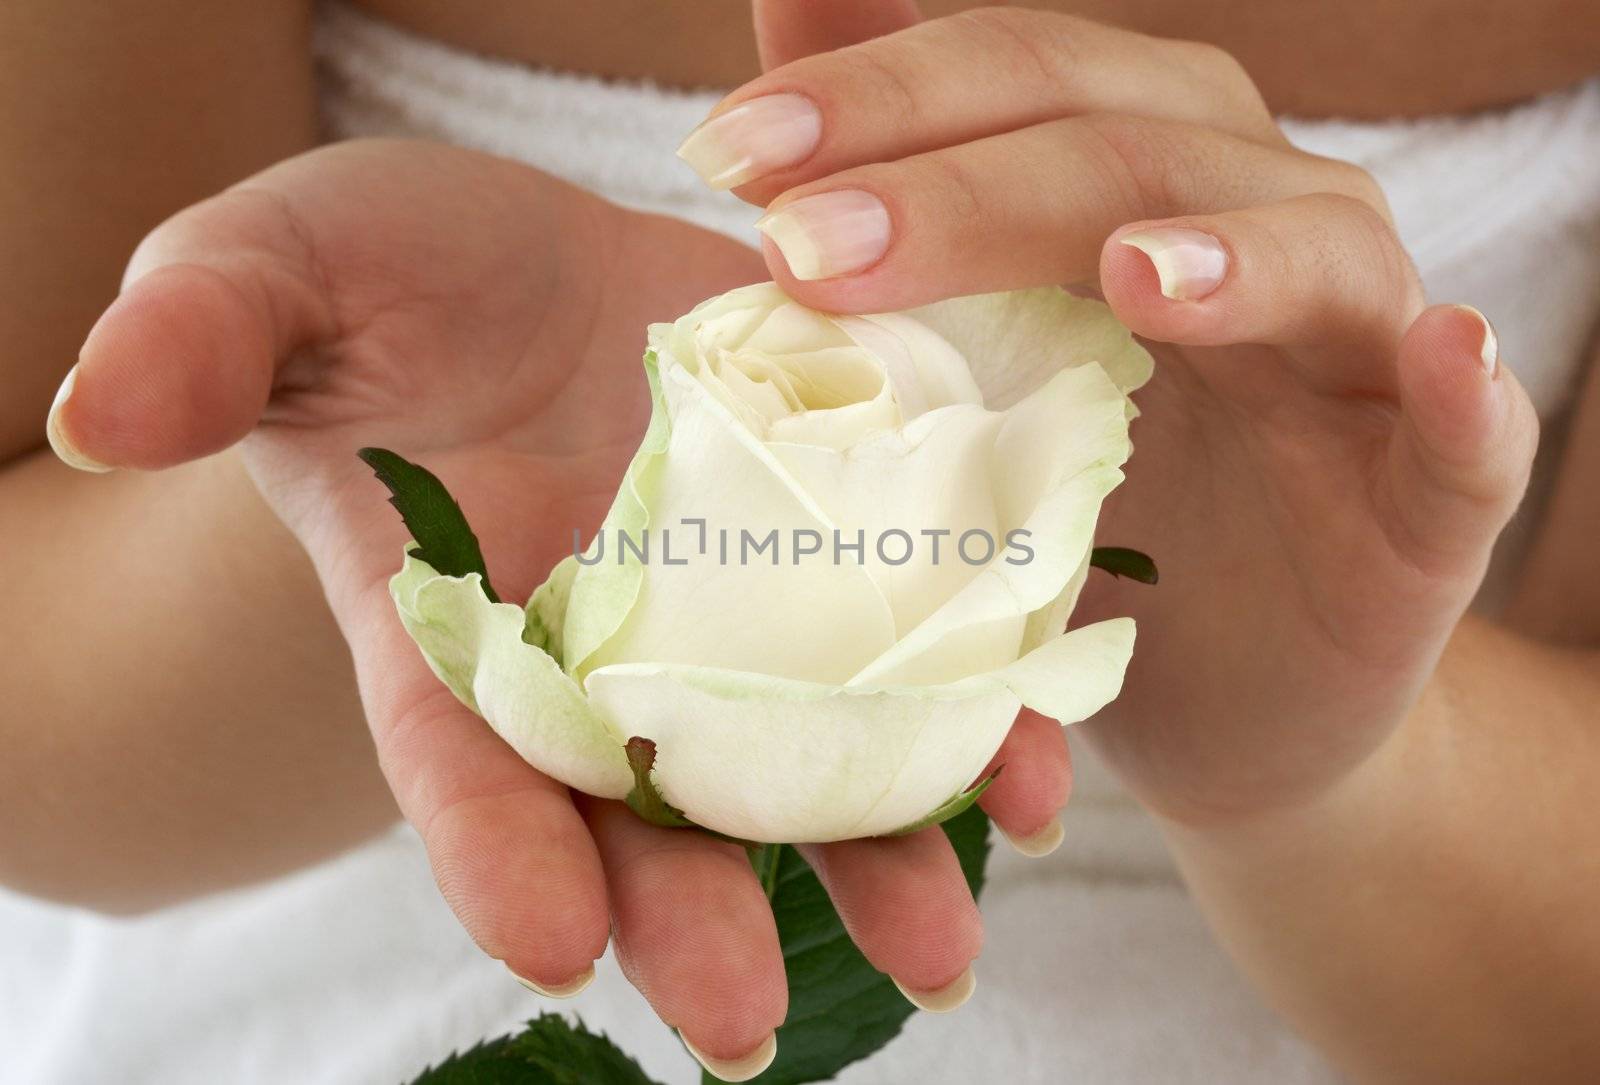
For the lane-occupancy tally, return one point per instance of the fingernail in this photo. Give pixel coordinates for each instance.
(59, 441)
(561, 990)
(830, 234)
(753, 138)
(1039, 844)
(1189, 263)
(951, 996)
(1489, 349)
(740, 1069)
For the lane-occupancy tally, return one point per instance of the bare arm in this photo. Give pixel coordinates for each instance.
(180, 712)
(1433, 919)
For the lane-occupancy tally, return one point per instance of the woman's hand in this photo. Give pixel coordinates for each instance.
(1323, 463)
(488, 320)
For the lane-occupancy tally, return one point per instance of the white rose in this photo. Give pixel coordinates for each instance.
(821, 699)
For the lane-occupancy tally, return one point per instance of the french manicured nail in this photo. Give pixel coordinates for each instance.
(951, 996)
(1489, 349)
(741, 1069)
(1189, 263)
(561, 990)
(1038, 844)
(752, 139)
(833, 233)
(59, 441)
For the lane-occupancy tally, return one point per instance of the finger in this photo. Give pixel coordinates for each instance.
(181, 364)
(1459, 459)
(1022, 209)
(695, 935)
(907, 906)
(1320, 271)
(953, 80)
(786, 30)
(510, 853)
(1034, 780)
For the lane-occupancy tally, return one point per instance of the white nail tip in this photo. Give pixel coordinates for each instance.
(950, 997)
(560, 990)
(1189, 264)
(1489, 348)
(63, 447)
(1038, 845)
(834, 233)
(740, 1069)
(754, 138)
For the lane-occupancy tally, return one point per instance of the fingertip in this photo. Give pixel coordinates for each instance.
(906, 905)
(1032, 785)
(1450, 381)
(1164, 281)
(718, 979)
(521, 874)
(178, 367)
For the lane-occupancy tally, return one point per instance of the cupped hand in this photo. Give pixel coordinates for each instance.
(486, 320)
(1323, 462)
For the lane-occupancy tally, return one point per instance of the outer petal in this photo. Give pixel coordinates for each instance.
(1017, 340)
(1055, 461)
(773, 759)
(476, 648)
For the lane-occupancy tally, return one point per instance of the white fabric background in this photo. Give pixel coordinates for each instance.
(1097, 967)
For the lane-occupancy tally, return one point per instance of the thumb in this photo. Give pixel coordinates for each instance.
(790, 29)
(1459, 459)
(181, 365)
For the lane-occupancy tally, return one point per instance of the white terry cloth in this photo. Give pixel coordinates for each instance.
(1097, 967)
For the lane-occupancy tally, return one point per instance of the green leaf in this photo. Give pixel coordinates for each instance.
(645, 799)
(841, 1009)
(432, 516)
(549, 1051)
(950, 809)
(1121, 561)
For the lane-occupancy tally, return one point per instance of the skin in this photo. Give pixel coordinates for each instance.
(340, 348)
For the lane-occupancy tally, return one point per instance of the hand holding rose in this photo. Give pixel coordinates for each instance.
(1323, 462)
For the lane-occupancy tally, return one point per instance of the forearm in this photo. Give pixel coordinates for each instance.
(1432, 919)
(181, 712)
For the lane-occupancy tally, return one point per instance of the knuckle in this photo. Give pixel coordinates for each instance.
(1043, 45)
(1375, 237)
(1227, 81)
(1143, 159)
(959, 193)
(888, 83)
(1349, 179)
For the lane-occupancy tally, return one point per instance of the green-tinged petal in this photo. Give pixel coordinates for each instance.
(739, 610)
(775, 759)
(1075, 675)
(957, 804)
(547, 609)
(602, 594)
(1017, 340)
(477, 649)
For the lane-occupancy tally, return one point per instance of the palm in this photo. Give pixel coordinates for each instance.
(1262, 486)
(495, 323)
